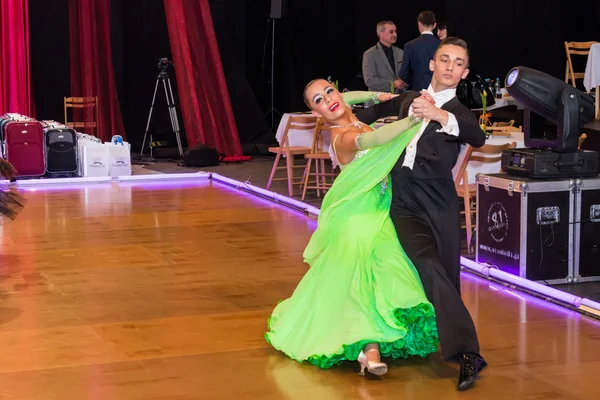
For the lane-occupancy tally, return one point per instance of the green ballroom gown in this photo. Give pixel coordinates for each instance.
(361, 287)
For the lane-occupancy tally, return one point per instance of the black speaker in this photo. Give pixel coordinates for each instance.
(277, 8)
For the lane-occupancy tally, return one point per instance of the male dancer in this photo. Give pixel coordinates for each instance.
(425, 207)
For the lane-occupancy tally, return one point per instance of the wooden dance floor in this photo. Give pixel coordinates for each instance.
(162, 291)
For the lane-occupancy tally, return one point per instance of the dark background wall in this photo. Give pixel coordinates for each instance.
(314, 38)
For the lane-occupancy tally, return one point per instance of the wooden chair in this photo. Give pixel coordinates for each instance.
(320, 157)
(503, 128)
(502, 123)
(296, 122)
(82, 103)
(581, 140)
(576, 48)
(487, 154)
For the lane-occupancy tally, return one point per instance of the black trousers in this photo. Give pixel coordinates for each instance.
(426, 216)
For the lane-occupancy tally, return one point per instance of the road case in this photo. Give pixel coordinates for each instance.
(586, 228)
(525, 226)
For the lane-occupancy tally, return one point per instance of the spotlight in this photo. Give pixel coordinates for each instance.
(554, 114)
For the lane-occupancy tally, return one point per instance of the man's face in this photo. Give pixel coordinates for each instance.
(449, 66)
(388, 36)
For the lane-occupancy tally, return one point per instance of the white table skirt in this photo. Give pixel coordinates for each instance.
(591, 78)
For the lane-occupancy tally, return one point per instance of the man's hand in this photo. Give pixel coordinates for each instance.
(400, 84)
(423, 107)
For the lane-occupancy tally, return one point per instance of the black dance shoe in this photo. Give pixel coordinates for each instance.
(471, 365)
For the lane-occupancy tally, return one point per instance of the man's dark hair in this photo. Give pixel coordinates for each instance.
(456, 42)
(427, 18)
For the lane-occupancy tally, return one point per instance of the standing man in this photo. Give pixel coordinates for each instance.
(419, 52)
(425, 207)
(381, 63)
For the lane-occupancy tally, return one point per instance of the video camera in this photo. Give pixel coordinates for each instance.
(164, 64)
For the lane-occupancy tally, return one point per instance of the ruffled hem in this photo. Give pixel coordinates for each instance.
(421, 339)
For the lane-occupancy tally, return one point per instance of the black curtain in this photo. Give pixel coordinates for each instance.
(328, 38)
(318, 38)
(50, 62)
(231, 20)
(528, 33)
(145, 41)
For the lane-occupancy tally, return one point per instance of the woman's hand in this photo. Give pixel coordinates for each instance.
(383, 97)
(425, 94)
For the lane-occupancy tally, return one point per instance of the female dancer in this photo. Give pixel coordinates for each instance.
(361, 298)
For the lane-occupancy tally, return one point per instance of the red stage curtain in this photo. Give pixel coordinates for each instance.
(15, 84)
(203, 94)
(92, 72)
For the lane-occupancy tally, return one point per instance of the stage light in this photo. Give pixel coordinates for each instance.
(554, 114)
(548, 98)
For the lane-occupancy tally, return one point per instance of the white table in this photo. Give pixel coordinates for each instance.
(591, 78)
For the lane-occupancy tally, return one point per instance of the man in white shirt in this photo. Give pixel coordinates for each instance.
(425, 207)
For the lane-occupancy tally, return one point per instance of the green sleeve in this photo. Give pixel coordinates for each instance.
(386, 133)
(357, 97)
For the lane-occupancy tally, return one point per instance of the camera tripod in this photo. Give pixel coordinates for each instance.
(163, 76)
(272, 110)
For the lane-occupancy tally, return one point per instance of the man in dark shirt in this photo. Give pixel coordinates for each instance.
(381, 63)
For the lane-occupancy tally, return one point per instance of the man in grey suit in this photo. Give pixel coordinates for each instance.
(381, 63)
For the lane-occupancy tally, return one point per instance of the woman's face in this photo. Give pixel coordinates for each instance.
(442, 33)
(325, 101)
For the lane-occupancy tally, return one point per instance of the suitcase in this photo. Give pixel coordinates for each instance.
(23, 145)
(61, 152)
(525, 227)
(587, 231)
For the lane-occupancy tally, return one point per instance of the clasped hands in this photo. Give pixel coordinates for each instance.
(424, 107)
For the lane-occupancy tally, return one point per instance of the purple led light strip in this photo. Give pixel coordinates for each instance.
(276, 197)
(544, 290)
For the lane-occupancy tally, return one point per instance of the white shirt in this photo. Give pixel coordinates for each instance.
(451, 128)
